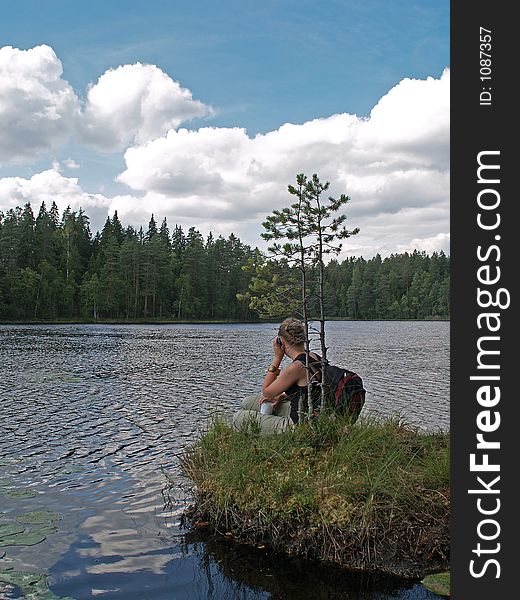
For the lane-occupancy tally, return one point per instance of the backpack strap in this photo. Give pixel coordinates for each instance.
(315, 370)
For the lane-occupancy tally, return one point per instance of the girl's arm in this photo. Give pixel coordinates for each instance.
(278, 382)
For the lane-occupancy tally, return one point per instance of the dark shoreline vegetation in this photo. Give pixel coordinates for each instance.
(371, 497)
(170, 321)
(52, 268)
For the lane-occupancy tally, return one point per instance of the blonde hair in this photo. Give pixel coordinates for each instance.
(292, 330)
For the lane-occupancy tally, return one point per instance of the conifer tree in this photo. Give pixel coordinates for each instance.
(327, 228)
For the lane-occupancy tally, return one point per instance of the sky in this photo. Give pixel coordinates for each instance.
(203, 112)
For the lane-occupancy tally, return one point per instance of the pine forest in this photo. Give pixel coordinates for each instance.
(53, 268)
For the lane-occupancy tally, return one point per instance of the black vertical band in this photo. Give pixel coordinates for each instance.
(483, 315)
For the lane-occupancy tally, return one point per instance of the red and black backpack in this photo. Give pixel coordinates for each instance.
(344, 389)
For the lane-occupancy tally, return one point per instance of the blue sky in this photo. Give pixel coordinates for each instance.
(260, 63)
(253, 65)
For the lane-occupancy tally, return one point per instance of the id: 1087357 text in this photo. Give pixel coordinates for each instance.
(485, 67)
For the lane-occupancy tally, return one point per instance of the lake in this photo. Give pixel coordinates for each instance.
(93, 417)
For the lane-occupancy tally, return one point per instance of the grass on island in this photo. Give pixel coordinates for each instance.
(373, 495)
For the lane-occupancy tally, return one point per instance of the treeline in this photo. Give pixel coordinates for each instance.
(52, 267)
(403, 286)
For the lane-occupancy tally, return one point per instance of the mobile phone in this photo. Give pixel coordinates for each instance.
(279, 341)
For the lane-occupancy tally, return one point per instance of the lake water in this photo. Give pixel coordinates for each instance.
(93, 416)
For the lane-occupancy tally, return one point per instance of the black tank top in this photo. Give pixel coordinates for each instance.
(296, 391)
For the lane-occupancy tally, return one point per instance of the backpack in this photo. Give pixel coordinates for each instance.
(344, 390)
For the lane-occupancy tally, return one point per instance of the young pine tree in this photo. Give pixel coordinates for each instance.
(312, 230)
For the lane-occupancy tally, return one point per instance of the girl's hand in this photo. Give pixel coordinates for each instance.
(275, 400)
(279, 351)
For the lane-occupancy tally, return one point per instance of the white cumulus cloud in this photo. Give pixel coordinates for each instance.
(394, 165)
(411, 122)
(51, 186)
(38, 108)
(134, 104)
(128, 105)
(70, 163)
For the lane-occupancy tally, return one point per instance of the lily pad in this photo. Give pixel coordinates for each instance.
(20, 578)
(439, 584)
(27, 538)
(32, 585)
(67, 377)
(39, 517)
(8, 529)
(45, 529)
(20, 494)
(70, 470)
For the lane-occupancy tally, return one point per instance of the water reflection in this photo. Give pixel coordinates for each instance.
(279, 578)
(93, 416)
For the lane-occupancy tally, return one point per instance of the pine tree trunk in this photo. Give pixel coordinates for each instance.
(322, 306)
(301, 407)
(303, 267)
(322, 333)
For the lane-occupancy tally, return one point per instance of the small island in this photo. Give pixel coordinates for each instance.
(372, 496)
